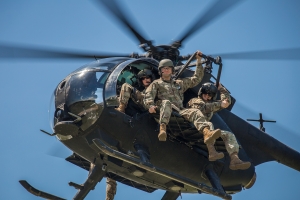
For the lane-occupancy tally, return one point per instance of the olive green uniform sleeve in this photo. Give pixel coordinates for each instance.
(205, 107)
(210, 107)
(191, 82)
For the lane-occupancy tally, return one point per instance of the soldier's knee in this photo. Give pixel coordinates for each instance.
(227, 134)
(166, 103)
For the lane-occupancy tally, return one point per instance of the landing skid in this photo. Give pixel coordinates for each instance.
(37, 192)
(149, 167)
(96, 175)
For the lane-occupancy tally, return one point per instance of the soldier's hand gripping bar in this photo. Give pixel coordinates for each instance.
(217, 61)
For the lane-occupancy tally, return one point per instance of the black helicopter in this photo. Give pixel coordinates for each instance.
(82, 116)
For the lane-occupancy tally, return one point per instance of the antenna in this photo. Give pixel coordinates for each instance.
(261, 121)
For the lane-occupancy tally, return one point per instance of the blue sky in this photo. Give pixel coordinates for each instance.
(267, 86)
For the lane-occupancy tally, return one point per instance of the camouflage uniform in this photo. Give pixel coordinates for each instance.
(208, 109)
(128, 91)
(111, 189)
(163, 93)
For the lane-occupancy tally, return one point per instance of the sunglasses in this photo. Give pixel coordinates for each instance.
(209, 94)
(145, 77)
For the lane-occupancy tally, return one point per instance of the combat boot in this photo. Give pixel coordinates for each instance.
(236, 163)
(162, 136)
(213, 154)
(111, 189)
(210, 136)
(121, 107)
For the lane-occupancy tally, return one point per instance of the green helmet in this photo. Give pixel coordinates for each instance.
(165, 63)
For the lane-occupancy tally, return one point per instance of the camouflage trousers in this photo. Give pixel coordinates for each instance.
(193, 115)
(165, 111)
(111, 189)
(127, 91)
(230, 142)
(196, 117)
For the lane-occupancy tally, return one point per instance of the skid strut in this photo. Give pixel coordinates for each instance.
(96, 175)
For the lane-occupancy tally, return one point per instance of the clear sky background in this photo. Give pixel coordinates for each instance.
(268, 86)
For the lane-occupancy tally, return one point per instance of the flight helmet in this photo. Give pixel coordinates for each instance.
(145, 73)
(208, 88)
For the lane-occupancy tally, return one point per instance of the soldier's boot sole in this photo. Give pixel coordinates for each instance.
(162, 136)
(241, 166)
(236, 163)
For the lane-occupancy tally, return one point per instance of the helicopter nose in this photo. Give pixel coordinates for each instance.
(78, 102)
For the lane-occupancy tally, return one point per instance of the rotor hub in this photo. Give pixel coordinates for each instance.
(164, 52)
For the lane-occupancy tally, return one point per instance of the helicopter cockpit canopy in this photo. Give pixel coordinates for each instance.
(83, 93)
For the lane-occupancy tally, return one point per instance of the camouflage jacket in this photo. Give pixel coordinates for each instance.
(138, 96)
(208, 108)
(171, 90)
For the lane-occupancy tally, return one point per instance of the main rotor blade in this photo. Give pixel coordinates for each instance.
(214, 11)
(114, 8)
(12, 51)
(278, 54)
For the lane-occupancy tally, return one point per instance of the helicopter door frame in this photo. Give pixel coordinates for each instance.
(110, 93)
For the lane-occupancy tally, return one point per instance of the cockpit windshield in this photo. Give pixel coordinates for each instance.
(85, 86)
(81, 93)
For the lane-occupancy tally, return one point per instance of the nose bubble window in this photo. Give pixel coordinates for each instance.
(83, 93)
(86, 86)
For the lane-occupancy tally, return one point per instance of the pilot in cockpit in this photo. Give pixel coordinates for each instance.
(145, 78)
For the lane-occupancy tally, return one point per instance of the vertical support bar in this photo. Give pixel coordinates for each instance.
(170, 195)
(96, 175)
(219, 75)
(214, 179)
(142, 153)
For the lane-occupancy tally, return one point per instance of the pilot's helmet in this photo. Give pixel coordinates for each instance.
(145, 73)
(165, 63)
(208, 88)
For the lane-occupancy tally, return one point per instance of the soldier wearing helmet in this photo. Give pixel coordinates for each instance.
(165, 93)
(208, 105)
(145, 77)
(111, 189)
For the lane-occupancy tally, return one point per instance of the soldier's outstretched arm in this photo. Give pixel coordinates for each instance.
(191, 82)
(224, 94)
(205, 107)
